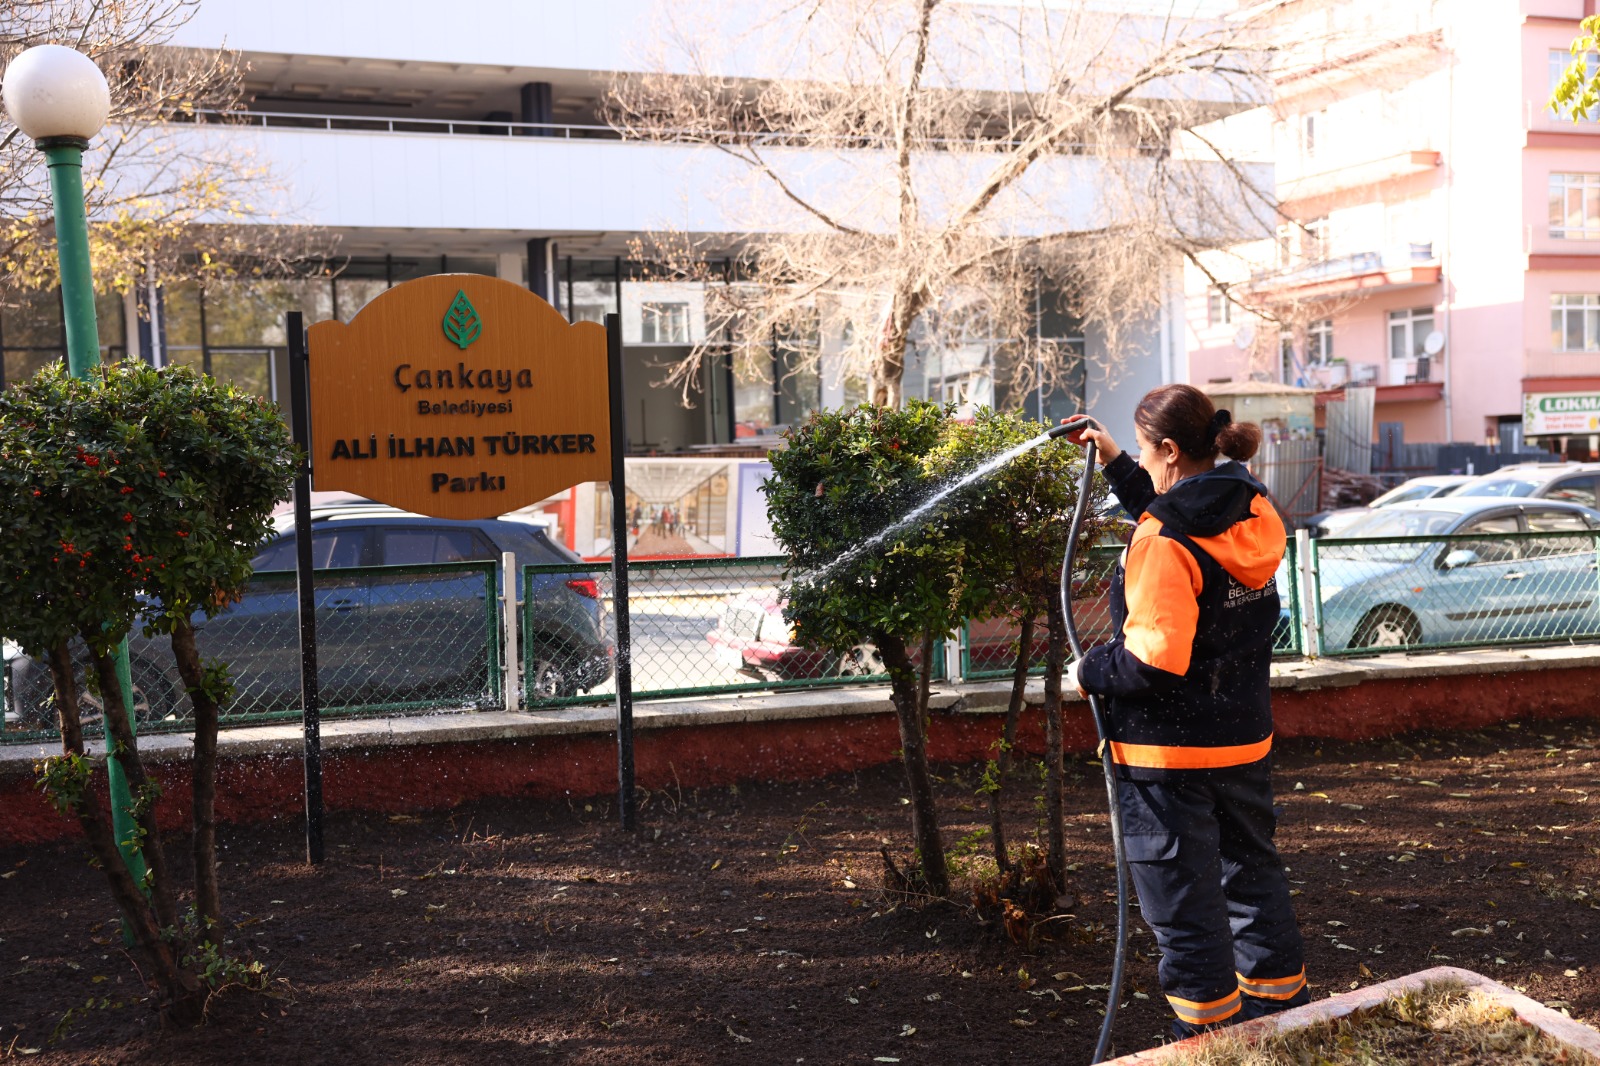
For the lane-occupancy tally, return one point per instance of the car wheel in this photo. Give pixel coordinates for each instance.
(863, 660)
(1387, 627)
(550, 676)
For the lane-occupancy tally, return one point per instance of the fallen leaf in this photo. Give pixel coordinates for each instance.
(1428, 784)
(1472, 931)
(908, 1030)
(1320, 795)
(398, 892)
(716, 864)
(8, 875)
(1352, 806)
(1022, 1022)
(740, 1039)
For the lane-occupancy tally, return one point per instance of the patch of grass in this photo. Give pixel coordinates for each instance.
(1443, 1024)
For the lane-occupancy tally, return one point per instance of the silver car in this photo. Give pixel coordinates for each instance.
(1499, 586)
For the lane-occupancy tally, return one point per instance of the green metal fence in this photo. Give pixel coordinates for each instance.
(390, 639)
(1482, 589)
(698, 627)
(989, 649)
(408, 639)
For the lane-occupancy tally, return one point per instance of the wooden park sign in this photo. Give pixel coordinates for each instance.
(458, 396)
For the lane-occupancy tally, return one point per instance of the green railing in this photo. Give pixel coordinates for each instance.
(410, 639)
(1465, 590)
(390, 639)
(698, 627)
(989, 649)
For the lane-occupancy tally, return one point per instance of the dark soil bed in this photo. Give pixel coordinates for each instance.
(747, 925)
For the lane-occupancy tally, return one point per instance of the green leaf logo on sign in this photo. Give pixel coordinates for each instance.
(462, 325)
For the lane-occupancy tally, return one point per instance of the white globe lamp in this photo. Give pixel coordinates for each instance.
(52, 91)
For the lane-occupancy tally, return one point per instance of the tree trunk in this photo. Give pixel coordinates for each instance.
(914, 754)
(141, 789)
(1008, 740)
(1055, 660)
(207, 897)
(179, 989)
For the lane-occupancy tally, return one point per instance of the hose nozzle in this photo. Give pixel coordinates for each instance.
(1072, 428)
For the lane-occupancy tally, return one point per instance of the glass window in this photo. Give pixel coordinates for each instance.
(350, 295)
(592, 288)
(249, 313)
(1501, 547)
(30, 329)
(1319, 341)
(1407, 332)
(1501, 486)
(1219, 309)
(409, 547)
(1559, 58)
(329, 547)
(1572, 490)
(1575, 322)
(1575, 206)
(1390, 522)
(664, 323)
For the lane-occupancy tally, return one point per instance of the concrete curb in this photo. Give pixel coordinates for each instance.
(1558, 1026)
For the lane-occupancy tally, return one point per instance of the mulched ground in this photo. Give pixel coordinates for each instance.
(747, 926)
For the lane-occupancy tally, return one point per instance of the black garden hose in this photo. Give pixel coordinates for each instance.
(1120, 959)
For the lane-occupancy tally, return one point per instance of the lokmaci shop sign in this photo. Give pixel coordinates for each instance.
(458, 396)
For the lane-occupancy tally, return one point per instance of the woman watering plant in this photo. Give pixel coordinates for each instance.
(1189, 718)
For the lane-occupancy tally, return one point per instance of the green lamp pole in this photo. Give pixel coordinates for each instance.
(58, 96)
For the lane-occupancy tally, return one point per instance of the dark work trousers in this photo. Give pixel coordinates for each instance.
(1213, 890)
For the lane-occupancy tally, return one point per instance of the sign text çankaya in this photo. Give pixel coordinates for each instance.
(403, 413)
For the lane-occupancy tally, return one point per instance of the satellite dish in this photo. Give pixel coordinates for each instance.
(1433, 343)
(1246, 337)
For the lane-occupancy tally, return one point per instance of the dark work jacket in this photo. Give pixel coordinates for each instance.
(1195, 602)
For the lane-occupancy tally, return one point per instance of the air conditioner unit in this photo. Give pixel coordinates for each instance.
(1363, 373)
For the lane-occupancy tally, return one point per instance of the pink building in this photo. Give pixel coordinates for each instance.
(1443, 233)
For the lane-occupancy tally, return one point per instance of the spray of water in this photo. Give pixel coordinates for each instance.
(921, 511)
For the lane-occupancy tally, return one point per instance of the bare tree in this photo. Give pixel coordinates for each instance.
(162, 200)
(942, 167)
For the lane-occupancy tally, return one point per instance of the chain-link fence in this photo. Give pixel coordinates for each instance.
(989, 648)
(696, 627)
(416, 638)
(1482, 589)
(390, 639)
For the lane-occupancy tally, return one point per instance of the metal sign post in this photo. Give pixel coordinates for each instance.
(311, 714)
(626, 804)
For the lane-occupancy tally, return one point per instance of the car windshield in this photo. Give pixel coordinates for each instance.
(1390, 523)
(1403, 494)
(1502, 486)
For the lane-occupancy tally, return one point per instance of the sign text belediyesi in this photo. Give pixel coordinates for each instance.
(458, 396)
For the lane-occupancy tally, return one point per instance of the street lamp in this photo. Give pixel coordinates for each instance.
(58, 96)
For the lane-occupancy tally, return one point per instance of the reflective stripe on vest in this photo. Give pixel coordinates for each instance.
(1174, 757)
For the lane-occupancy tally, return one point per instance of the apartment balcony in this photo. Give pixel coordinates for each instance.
(1392, 381)
(348, 172)
(1547, 370)
(1366, 174)
(1406, 267)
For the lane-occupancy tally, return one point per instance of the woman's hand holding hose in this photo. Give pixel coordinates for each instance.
(1092, 432)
